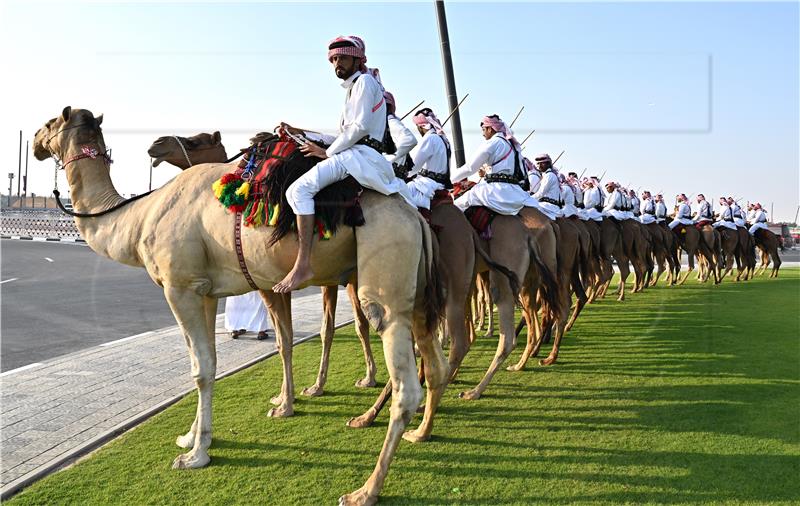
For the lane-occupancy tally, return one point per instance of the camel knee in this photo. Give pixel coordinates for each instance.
(405, 400)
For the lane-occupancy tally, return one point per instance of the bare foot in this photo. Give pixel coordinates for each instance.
(296, 277)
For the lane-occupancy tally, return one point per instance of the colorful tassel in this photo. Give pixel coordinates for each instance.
(244, 190)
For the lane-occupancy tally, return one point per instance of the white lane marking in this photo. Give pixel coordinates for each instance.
(129, 338)
(8, 280)
(48, 259)
(20, 369)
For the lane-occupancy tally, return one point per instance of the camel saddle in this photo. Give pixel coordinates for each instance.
(257, 189)
(480, 217)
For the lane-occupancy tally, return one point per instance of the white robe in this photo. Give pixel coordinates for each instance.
(683, 216)
(502, 198)
(591, 199)
(614, 203)
(364, 115)
(759, 221)
(403, 139)
(246, 312)
(647, 212)
(661, 212)
(568, 198)
(431, 155)
(724, 213)
(550, 188)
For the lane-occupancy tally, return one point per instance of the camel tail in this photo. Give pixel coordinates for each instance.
(548, 288)
(434, 300)
(513, 280)
(577, 284)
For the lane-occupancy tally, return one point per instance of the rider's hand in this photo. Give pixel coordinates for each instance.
(311, 149)
(289, 128)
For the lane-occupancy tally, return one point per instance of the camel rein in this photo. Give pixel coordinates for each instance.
(93, 153)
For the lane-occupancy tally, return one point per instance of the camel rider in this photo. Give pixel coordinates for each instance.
(647, 209)
(568, 209)
(626, 202)
(759, 219)
(592, 200)
(549, 193)
(499, 162)
(738, 217)
(661, 209)
(635, 204)
(432, 159)
(751, 215)
(615, 203)
(534, 178)
(725, 216)
(577, 190)
(683, 216)
(356, 151)
(404, 140)
(703, 215)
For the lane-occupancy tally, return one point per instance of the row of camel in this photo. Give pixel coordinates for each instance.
(402, 279)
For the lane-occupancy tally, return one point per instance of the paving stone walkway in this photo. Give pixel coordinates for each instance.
(53, 412)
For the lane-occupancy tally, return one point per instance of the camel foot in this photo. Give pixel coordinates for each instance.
(296, 277)
(416, 436)
(365, 420)
(186, 441)
(548, 361)
(277, 400)
(514, 368)
(191, 460)
(621, 298)
(313, 391)
(280, 412)
(470, 395)
(358, 498)
(366, 382)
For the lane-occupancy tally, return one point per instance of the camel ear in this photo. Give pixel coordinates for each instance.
(99, 120)
(217, 137)
(65, 113)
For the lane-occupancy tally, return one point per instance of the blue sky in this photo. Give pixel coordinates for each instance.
(678, 96)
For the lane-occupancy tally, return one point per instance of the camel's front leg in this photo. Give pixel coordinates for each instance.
(280, 311)
(329, 297)
(406, 396)
(190, 310)
(362, 330)
(530, 310)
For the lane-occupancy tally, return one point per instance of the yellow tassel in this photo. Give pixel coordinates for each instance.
(244, 190)
(258, 220)
(327, 235)
(273, 220)
(217, 187)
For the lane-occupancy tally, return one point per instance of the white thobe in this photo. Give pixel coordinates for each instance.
(502, 198)
(403, 139)
(647, 211)
(364, 115)
(431, 155)
(614, 204)
(759, 221)
(592, 199)
(534, 180)
(683, 216)
(703, 212)
(636, 205)
(737, 215)
(568, 199)
(661, 212)
(549, 188)
(246, 312)
(725, 219)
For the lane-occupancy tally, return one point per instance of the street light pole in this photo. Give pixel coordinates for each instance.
(10, 187)
(19, 169)
(450, 83)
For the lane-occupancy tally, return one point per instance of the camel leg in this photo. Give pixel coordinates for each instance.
(558, 332)
(505, 309)
(191, 312)
(329, 298)
(436, 371)
(279, 306)
(406, 396)
(362, 329)
(624, 270)
(534, 331)
(456, 324)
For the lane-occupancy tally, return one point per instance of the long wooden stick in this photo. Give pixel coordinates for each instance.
(516, 117)
(582, 173)
(600, 179)
(412, 109)
(526, 138)
(559, 156)
(454, 110)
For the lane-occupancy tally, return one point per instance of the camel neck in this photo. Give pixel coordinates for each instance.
(115, 234)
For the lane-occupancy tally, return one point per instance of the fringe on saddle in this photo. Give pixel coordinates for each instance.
(257, 189)
(480, 218)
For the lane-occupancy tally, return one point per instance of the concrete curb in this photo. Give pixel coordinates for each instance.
(73, 455)
(43, 239)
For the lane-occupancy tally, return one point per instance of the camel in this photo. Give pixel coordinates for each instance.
(767, 242)
(745, 254)
(688, 238)
(183, 152)
(729, 243)
(182, 236)
(662, 251)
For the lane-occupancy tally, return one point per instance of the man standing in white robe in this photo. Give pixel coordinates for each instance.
(356, 151)
(501, 187)
(246, 313)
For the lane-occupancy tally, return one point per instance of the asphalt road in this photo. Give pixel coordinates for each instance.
(58, 298)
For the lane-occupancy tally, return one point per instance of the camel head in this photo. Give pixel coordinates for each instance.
(61, 135)
(200, 148)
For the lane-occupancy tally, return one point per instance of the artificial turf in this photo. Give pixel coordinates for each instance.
(684, 394)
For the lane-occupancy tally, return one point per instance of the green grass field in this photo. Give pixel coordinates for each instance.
(678, 395)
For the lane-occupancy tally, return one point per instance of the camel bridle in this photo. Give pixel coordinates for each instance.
(183, 149)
